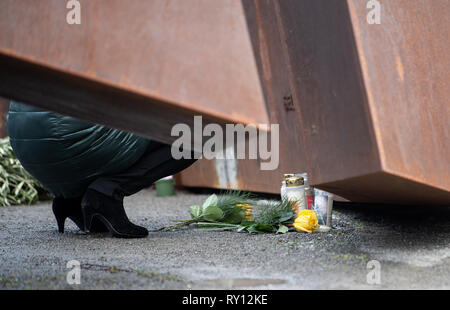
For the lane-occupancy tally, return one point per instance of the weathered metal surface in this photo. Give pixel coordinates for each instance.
(369, 118)
(363, 108)
(137, 65)
(405, 63)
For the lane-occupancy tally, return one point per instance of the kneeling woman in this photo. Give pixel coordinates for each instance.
(88, 168)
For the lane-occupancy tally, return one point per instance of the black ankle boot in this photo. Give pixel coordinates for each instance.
(67, 208)
(111, 212)
(71, 208)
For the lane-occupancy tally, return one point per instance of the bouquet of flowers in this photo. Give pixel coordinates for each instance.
(242, 212)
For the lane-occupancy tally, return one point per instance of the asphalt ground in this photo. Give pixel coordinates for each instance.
(411, 246)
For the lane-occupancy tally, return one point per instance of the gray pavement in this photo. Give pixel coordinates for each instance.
(412, 246)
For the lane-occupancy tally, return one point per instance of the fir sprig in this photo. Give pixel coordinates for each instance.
(273, 214)
(228, 200)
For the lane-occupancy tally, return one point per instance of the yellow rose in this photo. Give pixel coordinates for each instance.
(306, 221)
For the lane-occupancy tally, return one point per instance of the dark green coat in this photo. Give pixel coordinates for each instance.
(66, 154)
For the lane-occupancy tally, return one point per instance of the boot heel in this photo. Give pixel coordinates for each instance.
(60, 216)
(111, 213)
(60, 221)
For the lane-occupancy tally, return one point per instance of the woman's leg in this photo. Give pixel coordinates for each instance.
(104, 197)
(156, 163)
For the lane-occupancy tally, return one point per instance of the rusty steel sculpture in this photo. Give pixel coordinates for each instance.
(362, 106)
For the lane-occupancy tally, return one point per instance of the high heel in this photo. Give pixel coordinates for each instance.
(96, 206)
(67, 208)
(60, 220)
(71, 208)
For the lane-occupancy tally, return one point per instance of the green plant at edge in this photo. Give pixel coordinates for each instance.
(17, 186)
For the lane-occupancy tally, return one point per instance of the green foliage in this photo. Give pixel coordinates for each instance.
(212, 214)
(196, 212)
(235, 217)
(273, 214)
(228, 200)
(270, 218)
(222, 208)
(17, 186)
(225, 212)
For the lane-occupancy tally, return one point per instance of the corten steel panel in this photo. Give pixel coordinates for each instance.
(361, 107)
(405, 63)
(137, 65)
(371, 114)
